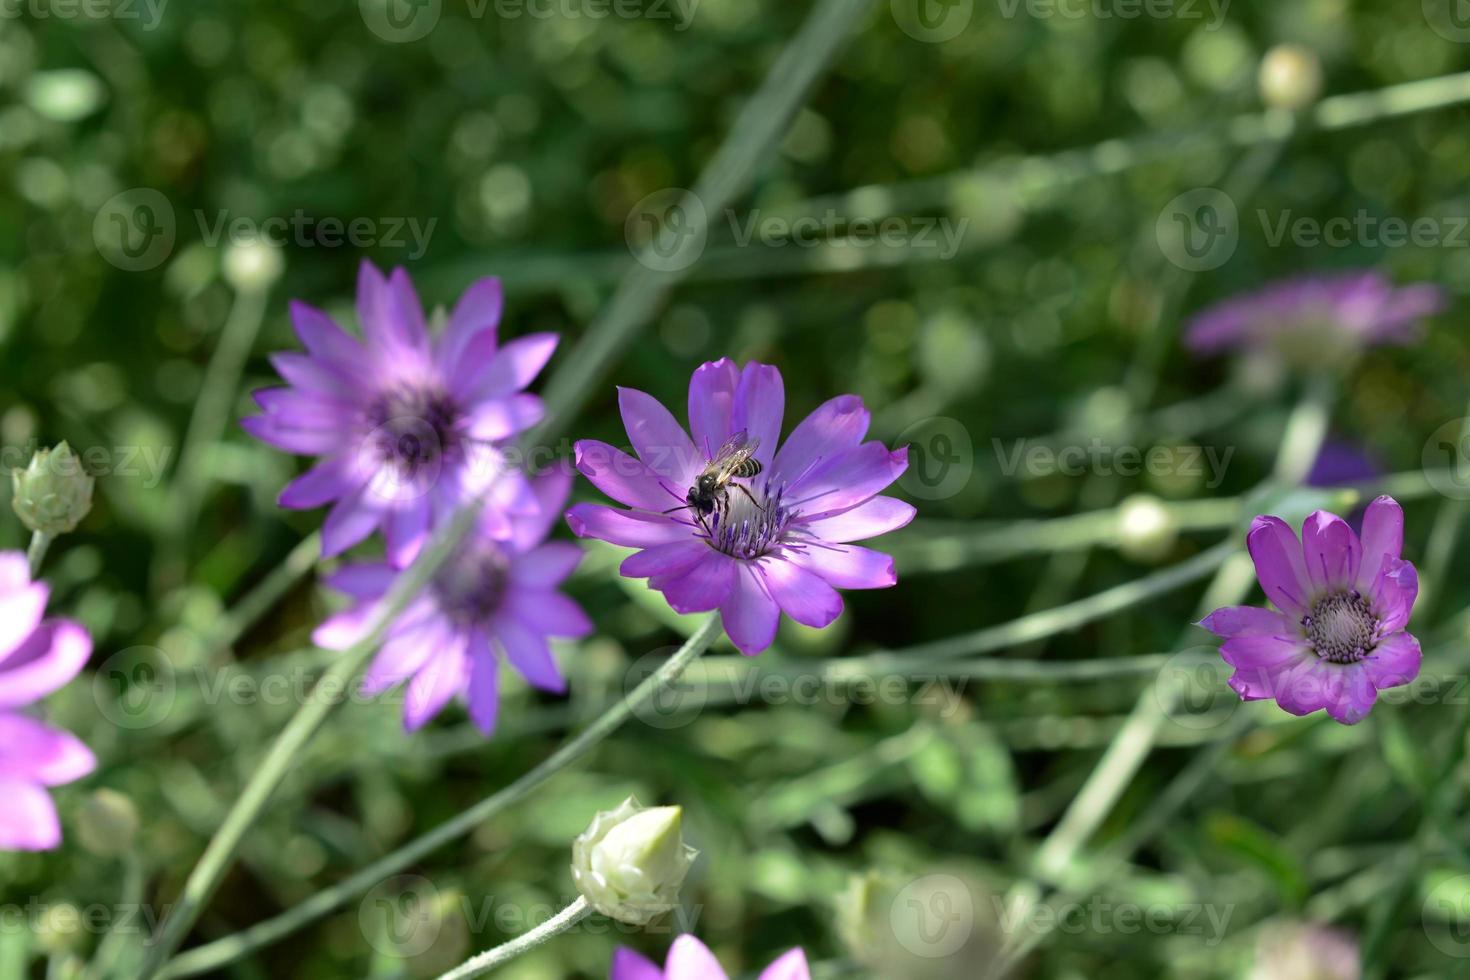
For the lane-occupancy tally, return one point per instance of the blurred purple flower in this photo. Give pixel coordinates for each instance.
(1340, 462)
(493, 596)
(1316, 317)
(780, 542)
(1339, 638)
(407, 425)
(1306, 951)
(689, 959)
(36, 658)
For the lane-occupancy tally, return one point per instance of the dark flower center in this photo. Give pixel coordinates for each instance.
(413, 428)
(1341, 627)
(748, 525)
(472, 584)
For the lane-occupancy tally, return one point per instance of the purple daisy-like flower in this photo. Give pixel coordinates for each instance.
(494, 596)
(777, 541)
(1318, 317)
(689, 959)
(407, 425)
(1344, 601)
(36, 658)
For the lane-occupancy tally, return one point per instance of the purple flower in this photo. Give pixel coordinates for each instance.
(777, 541)
(1340, 462)
(495, 595)
(1339, 638)
(1316, 317)
(690, 960)
(36, 658)
(407, 425)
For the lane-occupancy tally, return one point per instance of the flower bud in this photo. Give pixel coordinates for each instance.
(53, 493)
(630, 862)
(1290, 77)
(1146, 529)
(253, 266)
(107, 823)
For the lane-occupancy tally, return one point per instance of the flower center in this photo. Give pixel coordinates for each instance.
(472, 584)
(748, 525)
(413, 428)
(1341, 627)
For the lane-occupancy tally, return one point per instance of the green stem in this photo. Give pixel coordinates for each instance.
(270, 590)
(325, 695)
(212, 956)
(36, 553)
(478, 966)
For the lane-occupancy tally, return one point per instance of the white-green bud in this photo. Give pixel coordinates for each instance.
(630, 863)
(107, 823)
(53, 493)
(253, 266)
(1290, 77)
(1146, 528)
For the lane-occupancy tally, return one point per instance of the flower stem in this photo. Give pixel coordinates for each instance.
(328, 692)
(36, 553)
(478, 966)
(212, 956)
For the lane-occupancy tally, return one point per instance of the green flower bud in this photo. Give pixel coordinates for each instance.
(53, 493)
(630, 863)
(107, 823)
(1290, 77)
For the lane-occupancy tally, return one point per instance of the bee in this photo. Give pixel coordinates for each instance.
(711, 490)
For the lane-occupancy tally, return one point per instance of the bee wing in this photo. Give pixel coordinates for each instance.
(737, 447)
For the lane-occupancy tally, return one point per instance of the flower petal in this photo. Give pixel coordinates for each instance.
(513, 367)
(1382, 541)
(664, 559)
(836, 426)
(367, 580)
(846, 566)
(1330, 551)
(406, 531)
(476, 314)
(658, 439)
(326, 341)
(627, 480)
(1394, 661)
(37, 752)
(501, 418)
(547, 566)
(628, 965)
(21, 610)
(484, 689)
(350, 520)
(749, 614)
(1353, 694)
(690, 960)
(760, 402)
(848, 479)
(528, 653)
(27, 816)
(711, 403)
(1279, 565)
(869, 519)
(792, 966)
(44, 662)
(548, 611)
(444, 676)
(624, 527)
(699, 587)
(1394, 593)
(329, 480)
(1237, 620)
(292, 438)
(802, 595)
(548, 492)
